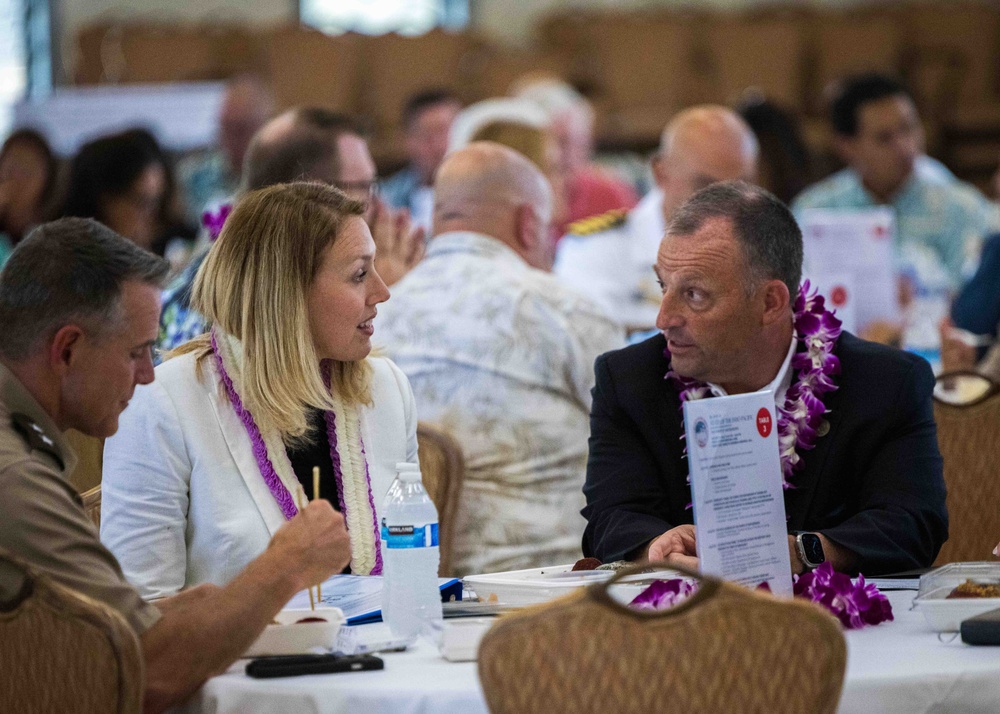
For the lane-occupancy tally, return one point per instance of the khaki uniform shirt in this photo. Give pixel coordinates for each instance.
(42, 520)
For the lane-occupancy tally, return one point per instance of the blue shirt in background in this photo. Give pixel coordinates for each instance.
(940, 221)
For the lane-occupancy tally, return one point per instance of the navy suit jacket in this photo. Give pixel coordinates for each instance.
(872, 484)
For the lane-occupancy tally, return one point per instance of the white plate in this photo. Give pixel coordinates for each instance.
(521, 588)
(291, 638)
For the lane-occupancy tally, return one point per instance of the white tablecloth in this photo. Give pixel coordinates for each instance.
(903, 667)
(898, 667)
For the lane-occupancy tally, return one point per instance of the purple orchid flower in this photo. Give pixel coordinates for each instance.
(856, 605)
(664, 594)
(214, 220)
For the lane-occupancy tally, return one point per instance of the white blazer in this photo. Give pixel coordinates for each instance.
(183, 501)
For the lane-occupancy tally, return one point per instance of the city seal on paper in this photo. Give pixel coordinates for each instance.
(701, 433)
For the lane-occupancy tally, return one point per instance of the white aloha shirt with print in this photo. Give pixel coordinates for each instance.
(502, 356)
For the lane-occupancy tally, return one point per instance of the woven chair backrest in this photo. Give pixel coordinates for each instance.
(64, 652)
(969, 439)
(92, 505)
(442, 468)
(726, 649)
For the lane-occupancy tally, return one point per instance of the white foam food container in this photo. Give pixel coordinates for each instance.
(290, 636)
(520, 588)
(944, 614)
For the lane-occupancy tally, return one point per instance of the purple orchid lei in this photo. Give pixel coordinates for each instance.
(271, 478)
(274, 484)
(214, 220)
(855, 604)
(815, 365)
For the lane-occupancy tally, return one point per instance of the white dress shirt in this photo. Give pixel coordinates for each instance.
(615, 267)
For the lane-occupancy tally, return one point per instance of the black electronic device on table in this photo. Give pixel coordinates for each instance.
(982, 629)
(295, 665)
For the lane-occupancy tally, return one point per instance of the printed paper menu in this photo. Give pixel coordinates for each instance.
(739, 507)
(859, 243)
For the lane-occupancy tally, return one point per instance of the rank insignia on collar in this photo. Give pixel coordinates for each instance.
(36, 437)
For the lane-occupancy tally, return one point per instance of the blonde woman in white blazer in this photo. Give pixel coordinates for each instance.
(217, 453)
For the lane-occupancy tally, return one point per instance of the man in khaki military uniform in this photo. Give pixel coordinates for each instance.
(41, 513)
(79, 312)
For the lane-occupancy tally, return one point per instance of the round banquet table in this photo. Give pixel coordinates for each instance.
(900, 666)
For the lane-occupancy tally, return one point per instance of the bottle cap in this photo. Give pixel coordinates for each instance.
(408, 471)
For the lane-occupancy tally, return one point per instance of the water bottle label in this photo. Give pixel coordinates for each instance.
(410, 536)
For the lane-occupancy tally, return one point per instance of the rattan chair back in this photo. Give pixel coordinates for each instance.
(442, 468)
(92, 505)
(969, 439)
(89, 452)
(726, 649)
(64, 652)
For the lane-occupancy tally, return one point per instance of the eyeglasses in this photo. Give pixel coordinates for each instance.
(358, 187)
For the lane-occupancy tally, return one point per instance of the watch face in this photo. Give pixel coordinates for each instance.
(812, 548)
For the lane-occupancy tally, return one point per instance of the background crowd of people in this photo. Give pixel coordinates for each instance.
(303, 311)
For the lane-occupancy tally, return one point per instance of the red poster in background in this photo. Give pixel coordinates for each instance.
(764, 422)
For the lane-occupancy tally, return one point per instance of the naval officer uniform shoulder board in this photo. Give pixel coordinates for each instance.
(599, 223)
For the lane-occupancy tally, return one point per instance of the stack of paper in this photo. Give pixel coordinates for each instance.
(360, 596)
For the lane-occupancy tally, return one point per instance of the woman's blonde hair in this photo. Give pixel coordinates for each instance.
(253, 286)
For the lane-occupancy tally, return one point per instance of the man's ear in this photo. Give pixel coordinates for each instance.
(777, 302)
(846, 148)
(64, 347)
(660, 169)
(526, 227)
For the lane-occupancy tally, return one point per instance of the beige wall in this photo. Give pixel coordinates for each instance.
(74, 14)
(511, 21)
(508, 21)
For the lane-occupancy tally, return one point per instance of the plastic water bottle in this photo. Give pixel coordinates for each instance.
(411, 599)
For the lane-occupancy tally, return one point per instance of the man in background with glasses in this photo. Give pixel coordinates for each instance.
(305, 144)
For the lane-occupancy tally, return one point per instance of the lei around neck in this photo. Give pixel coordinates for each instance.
(347, 454)
(816, 331)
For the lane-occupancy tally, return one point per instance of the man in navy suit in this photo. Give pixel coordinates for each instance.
(869, 495)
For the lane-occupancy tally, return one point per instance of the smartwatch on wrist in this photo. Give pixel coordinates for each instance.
(810, 549)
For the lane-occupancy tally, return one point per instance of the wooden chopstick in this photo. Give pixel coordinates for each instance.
(319, 587)
(300, 497)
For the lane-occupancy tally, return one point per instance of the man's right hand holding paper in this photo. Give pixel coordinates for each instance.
(676, 546)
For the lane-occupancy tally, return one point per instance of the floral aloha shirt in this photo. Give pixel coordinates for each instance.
(501, 355)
